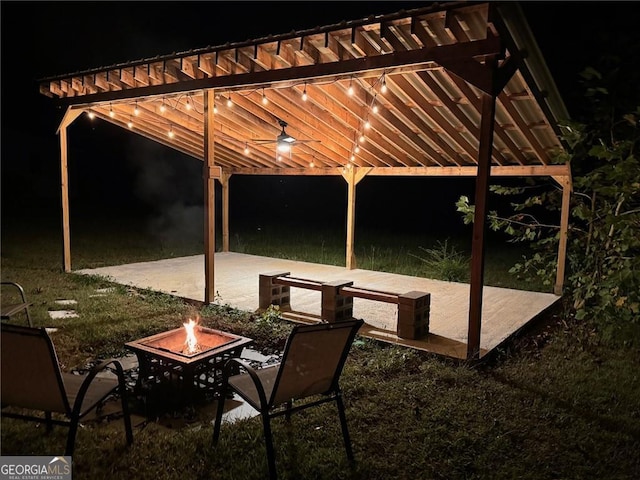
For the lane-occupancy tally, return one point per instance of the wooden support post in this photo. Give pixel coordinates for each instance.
(336, 307)
(270, 293)
(352, 175)
(414, 309)
(64, 183)
(224, 181)
(209, 198)
(479, 225)
(69, 116)
(562, 241)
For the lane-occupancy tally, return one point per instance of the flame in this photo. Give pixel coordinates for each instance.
(191, 342)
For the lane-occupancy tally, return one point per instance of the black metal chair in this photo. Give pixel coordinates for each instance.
(312, 363)
(14, 302)
(32, 380)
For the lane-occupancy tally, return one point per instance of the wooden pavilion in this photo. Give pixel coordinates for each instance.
(448, 89)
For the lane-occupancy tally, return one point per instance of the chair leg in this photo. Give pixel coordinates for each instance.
(71, 437)
(287, 415)
(343, 424)
(125, 412)
(271, 456)
(219, 412)
(48, 422)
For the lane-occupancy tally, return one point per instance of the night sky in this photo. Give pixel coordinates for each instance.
(110, 169)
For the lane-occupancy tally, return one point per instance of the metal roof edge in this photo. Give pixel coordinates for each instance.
(516, 22)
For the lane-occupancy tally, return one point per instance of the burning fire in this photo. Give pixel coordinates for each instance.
(191, 342)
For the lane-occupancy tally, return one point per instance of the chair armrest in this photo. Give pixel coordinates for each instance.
(77, 406)
(20, 290)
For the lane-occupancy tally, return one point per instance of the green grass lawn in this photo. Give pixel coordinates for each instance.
(557, 403)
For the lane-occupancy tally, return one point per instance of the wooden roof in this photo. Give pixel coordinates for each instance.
(432, 61)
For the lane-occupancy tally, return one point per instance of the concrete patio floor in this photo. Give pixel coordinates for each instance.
(505, 311)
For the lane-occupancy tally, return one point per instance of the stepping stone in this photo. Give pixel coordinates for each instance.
(66, 302)
(59, 314)
(102, 292)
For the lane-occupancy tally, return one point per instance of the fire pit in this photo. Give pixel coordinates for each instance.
(188, 358)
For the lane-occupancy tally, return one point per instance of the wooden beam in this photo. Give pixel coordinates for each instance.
(209, 199)
(392, 62)
(479, 221)
(496, 171)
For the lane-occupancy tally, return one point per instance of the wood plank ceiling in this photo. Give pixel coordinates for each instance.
(393, 93)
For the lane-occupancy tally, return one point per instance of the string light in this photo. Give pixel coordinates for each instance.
(265, 100)
(188, 105)
(304, 93)
(130, 123)
(215, 108)
(246, 149)
(91, 115)
(112, 114)
(163, 107)
(367, 125)
(171, 134)
(383, 87)
(361, 139)
(136, 110)
(350, 91)
(229, 102)
(357, 149)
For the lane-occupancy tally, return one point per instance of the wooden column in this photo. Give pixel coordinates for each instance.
(224, 181)
(479, 225)
(352, 175)
(562, 241)
(64, 184)
(69, 117)
(209, 174)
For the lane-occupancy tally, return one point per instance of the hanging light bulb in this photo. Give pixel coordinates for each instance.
(246, 149)
(353, 158)
(357, 149)
(163, 107)
(112, 114)
(188, 105)
(375, 107)
(229, 102)
(130, 123)
(311, 164)
(361, 139)
(171, 134)
(265, 100)
(367, 125)
(304, 93)
(136, 110)
(383, 87)
(215, 108)
(91, 115)
(351, 91)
